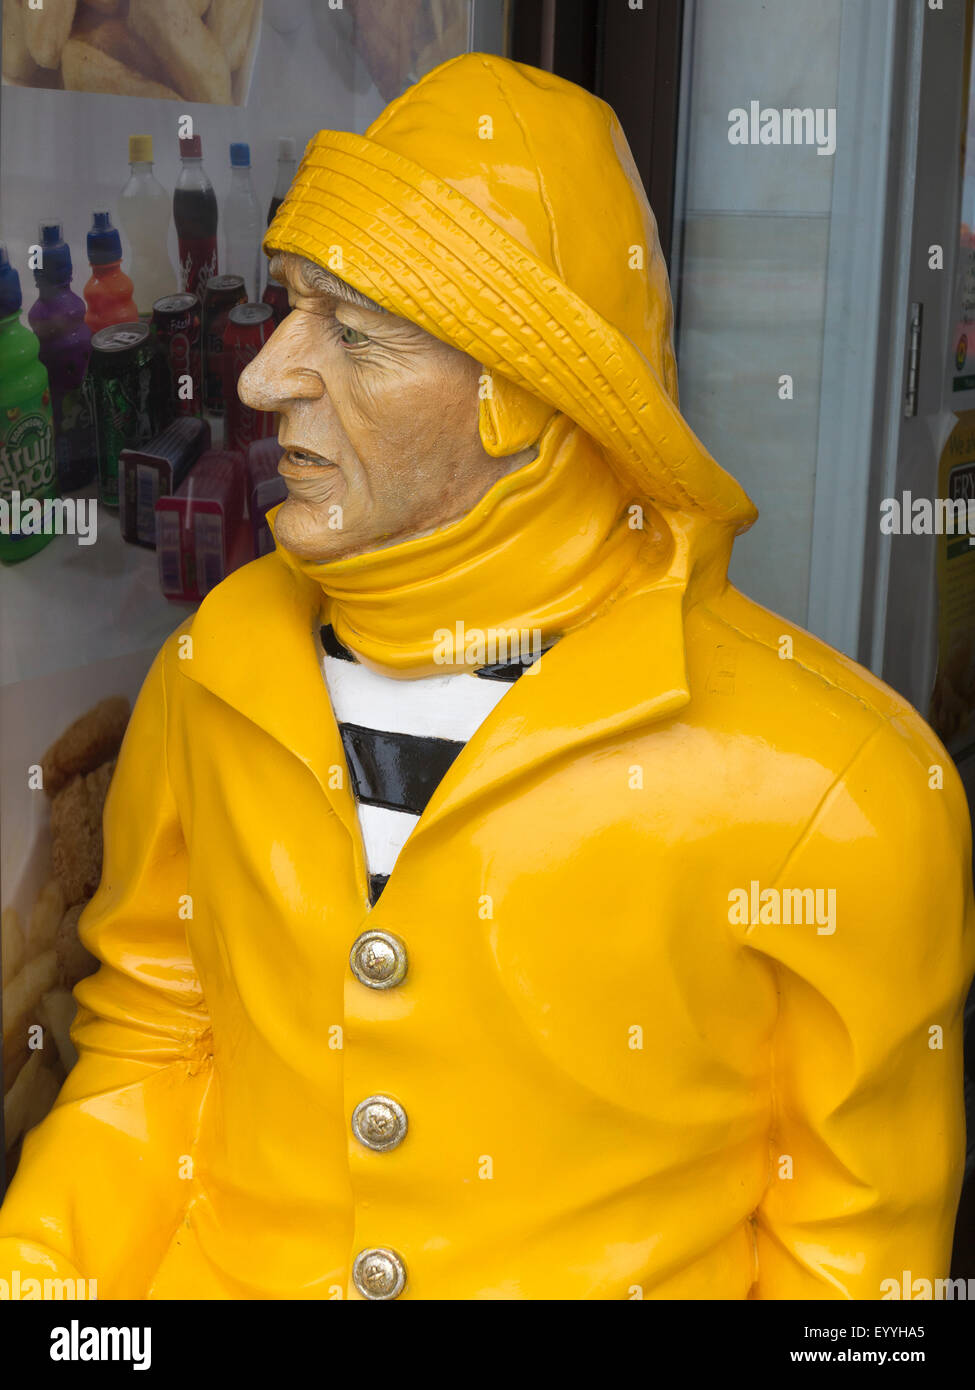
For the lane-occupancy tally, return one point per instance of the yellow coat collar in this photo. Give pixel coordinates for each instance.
(254, 646)
(543, 550)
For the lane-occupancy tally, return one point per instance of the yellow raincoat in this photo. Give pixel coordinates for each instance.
(688, 921)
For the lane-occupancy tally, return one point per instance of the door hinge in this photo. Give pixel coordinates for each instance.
(913, 359)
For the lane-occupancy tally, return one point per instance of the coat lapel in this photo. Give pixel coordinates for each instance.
(254, 646)
(622, 670)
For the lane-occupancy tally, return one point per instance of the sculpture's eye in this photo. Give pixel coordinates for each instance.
(351, 337)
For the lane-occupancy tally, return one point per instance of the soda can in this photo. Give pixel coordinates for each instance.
(221, 294)
(128, 397)
(276, 295)
(248, 328)
(176, 324)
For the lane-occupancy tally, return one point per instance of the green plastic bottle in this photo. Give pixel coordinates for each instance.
(26, 425)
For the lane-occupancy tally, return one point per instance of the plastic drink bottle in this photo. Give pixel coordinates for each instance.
(242, 222)
(26, 429)
(195, 215)
(108, 293)
(275, 293)
(143, 214)
(57, 316)
(286, 173)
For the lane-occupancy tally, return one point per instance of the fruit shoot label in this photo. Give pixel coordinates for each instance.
(27, 452)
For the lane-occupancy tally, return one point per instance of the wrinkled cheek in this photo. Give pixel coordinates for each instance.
(366, 406)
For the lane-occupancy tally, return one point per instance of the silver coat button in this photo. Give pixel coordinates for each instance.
(379, 1273)
(379, 1122)
(378, 959)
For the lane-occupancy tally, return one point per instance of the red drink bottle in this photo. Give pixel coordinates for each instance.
(195, 215)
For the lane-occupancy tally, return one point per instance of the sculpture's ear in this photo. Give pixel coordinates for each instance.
(509, 418)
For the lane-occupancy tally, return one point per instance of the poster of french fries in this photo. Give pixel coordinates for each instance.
(176, 50)
(42, 955)
(401, 40)
(52, 796)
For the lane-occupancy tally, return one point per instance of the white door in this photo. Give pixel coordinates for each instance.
(922, 611)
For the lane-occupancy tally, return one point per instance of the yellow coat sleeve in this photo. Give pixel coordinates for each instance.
(104, 1181)
(867, 1142)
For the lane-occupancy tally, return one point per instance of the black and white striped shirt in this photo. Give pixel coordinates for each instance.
(400, 737)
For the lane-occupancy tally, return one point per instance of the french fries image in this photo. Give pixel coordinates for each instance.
(46, 916)
(17, 62)
(33, 1037)
(13, 951)
(163, 49)
(28, 1100)
(56, 1014)
(17, 1101)
(39, 992)
(15, 1050)
(21, 1001)
(187, 49)
(23, 994)
(230, 23)
(114, 37)
(87, 69)
(48, 30)
(43, 958)
(43, 1095)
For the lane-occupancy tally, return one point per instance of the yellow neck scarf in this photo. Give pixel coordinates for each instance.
(541, 552)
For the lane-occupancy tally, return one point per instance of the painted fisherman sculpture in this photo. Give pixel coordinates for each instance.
(633, 968)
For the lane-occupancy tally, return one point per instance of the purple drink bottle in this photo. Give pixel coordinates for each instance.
(57, 316)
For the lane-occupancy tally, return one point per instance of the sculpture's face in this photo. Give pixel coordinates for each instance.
(378, 421)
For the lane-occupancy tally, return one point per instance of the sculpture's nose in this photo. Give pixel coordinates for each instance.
(276, 375)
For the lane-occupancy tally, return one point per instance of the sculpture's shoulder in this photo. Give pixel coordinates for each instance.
(801, 696)
(844, 781)
(264, 590)
(253, 621)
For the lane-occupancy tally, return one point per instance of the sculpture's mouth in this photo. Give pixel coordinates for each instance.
(299, 463)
